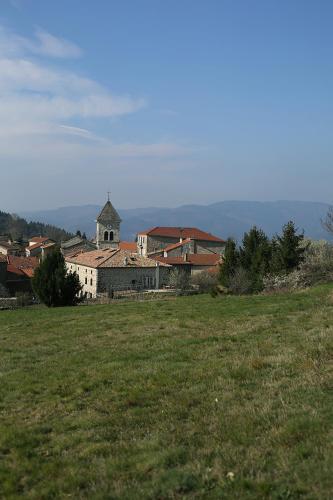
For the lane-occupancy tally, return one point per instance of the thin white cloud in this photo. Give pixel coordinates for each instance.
(48, 115)
(55, 47)
(43, 43)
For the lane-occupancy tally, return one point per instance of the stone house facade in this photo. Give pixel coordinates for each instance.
(159, 238)
(108, 270)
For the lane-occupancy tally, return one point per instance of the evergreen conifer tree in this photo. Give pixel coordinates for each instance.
(288, 251)
(230, 262)
(53, 285)
(255, 256)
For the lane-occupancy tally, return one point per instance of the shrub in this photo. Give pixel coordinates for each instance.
(204, 281)
(179, 279)
(240, 282)
(316, 267)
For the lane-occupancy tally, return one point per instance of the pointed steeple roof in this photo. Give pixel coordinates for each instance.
(108, 213)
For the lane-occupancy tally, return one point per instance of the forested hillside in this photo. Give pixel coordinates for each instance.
(18, 228)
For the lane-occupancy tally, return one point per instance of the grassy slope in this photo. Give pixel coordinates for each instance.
(163, 399)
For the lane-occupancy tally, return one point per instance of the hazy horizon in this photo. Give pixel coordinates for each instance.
(44, 209)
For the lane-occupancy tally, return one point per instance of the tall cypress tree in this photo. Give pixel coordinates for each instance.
(230, 262)
(53, 285)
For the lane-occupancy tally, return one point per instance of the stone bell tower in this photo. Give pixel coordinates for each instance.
(108, 227)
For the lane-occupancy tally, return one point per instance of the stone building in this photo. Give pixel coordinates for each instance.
(158, 239)
(20, 270)
(112, 269)
(108, 227)
(8, 247)
(107, 234)
(77, 244)
(40, 246)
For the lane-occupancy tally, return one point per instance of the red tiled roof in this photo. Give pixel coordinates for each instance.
(128, 245)
(41, 244)
(182, 232)
(39, 239)
(22, 265)
(195, 259)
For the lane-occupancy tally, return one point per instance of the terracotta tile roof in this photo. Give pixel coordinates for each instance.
(40, 245)
(194, 259)
(128, 245)
(181, 232)
(39, 239)
(111, 258)
(22, 265)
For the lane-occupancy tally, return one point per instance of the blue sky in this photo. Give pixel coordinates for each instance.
(165, 102)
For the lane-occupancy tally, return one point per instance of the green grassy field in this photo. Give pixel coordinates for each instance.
(190, 397)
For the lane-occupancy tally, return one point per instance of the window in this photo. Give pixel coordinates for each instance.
(148, 281)
(106, 236)
(91, 282)
(85, 281)
(111, 236)
(133, 282)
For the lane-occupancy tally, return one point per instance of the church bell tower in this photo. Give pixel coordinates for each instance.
(108, 227)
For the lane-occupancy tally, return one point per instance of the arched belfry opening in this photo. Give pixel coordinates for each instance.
(108, 226)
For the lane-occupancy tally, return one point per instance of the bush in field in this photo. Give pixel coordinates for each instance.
(204, 281)
(295, 280)
(240, 282)
(53, 285)
(318, 262)
(179, 279)
(316, 267)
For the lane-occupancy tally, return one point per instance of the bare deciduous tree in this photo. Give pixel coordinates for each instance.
(327, 223)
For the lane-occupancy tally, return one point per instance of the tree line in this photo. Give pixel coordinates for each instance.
(18, 229)
(245, 266)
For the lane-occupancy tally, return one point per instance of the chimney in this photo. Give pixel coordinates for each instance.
(186, 257)
(125, 261)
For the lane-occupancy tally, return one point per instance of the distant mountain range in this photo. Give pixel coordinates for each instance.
(224, 219)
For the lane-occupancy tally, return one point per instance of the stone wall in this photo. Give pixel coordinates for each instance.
(126, 277)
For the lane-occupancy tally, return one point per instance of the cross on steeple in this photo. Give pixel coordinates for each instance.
(109, 195)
